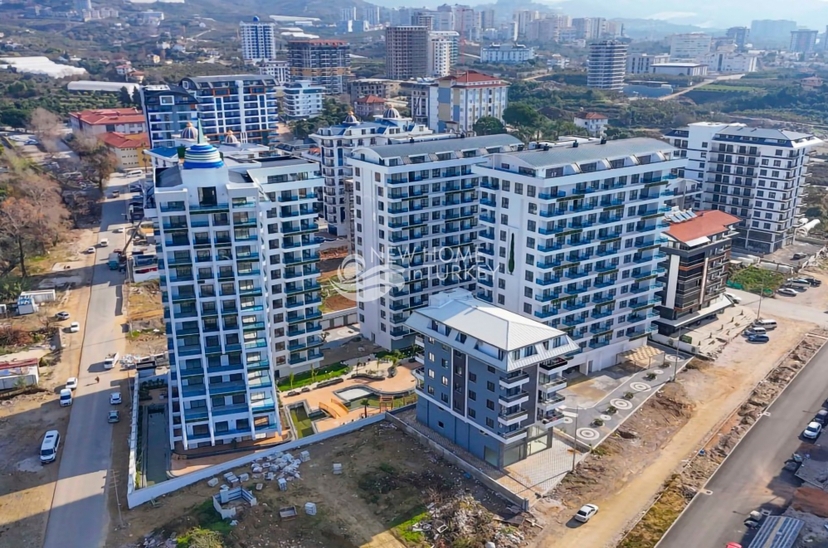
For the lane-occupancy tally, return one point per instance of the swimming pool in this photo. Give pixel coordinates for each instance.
(354, 394)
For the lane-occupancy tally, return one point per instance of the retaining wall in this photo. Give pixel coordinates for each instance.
(339, 318)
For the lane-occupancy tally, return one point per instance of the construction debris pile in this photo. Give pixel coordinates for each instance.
(282, 467)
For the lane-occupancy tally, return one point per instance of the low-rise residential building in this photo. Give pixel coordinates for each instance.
(107, 120)
(640, 63)
(506, 54)
(691, 45)
(729, 61)
(280, 70)
(128, 149)
(416, 208)
(570, 233)
(679, 69)
(378, 87)
(302, 99)
(698, 249)
(490, 379)
(593, 122)
(456, 102)
(368, 107)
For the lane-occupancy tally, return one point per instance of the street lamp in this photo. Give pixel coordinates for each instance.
(575, 448)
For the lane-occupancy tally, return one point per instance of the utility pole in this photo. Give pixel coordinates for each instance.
(675, 362)
(575, 449)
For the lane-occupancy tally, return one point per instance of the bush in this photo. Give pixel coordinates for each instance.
(598, 422)
(629, 395)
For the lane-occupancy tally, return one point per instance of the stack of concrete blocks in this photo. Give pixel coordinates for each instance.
(225, 497)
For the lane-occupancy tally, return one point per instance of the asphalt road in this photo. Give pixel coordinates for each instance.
(79, 516)
(752, 477)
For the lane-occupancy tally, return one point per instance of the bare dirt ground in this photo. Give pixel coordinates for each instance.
(388, 481)
(625, 479)
(329, 268)
(145, 316)
(26, 487)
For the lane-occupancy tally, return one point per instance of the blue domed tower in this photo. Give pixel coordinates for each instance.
(202, 156)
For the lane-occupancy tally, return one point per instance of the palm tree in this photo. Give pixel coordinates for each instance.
(364, 403)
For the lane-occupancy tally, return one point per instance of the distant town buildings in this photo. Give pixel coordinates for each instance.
(406, 52)
(679, 69)
(771, 33)
(506, 54)
(127, 148)
(258, 40)
(379, 87)
(803, 41)
(593, 122)
(443, 51)
(369, 106)
(607, 63)
(728, 61)
(740, 36)
(324, 62)
(107, 120)
(280, 70)
(692, 45)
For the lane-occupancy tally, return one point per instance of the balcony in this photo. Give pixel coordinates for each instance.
(231, 409)
(551, 384)
(548, 419)
(514, 381)
(514, 399)
(508, 418)
(209, 208)
(220, 388)
(549, 403)
(193, 350)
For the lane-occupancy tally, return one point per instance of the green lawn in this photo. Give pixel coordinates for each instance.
(301, 421)
(309, 377)
(755, 279)
(373, 401)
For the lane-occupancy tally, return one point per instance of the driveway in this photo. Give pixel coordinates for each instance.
(805, 306)
(79, 516)
(752, 477)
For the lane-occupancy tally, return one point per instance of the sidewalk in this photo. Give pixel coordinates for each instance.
(610, 396)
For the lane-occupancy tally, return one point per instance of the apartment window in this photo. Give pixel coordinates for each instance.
(501, 300)
(444, 381)
(472, 395)
(472, 413)
(490, 386)
(527, 308)
(430, 373)
(377, 177)
(501, 284)
(444, 397)
(519, 188)
(504, 219)
(490, 422)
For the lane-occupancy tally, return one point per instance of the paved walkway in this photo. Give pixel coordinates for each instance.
(610, 396)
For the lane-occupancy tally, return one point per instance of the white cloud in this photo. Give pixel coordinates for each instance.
(668, 15)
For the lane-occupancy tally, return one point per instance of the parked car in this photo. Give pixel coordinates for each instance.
(115, 398)
(90, 250)
(758, 338)
(787, 291)
(812, 431)
(74, 327)
(801, 281)
(114, 416)
(586, 512)
(119, 230)
(72, 383)
(735, 299)
(814, 282)
(62, 316)
(103, 243)
(821, 416)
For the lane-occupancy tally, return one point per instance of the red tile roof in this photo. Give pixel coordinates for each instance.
(472, 78)
(370, 99)
(109, 116)
(119, 140)
(706, 223)
(591, 116)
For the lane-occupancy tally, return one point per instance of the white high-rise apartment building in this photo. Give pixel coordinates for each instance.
(571, 235)
(443, 50)
(302, 99)
(689, 46)
(755, 174)
(607, 63)
(238, 264)
(335, 145)
(258, 40)
(640, 63)
(416, 207)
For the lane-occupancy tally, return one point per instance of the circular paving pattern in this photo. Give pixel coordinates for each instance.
(639, 386)
(568, 420)
(621, 404)
(605, 418)
(588, 434)
(658, 371)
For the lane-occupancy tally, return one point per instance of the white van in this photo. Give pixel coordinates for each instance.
(104, 242)
(134, 173)
(49, 447)
(756, 330)
(766, 323)
(65, 397)
(735, 299)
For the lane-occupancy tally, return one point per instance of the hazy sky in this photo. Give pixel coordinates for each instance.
(717, 13)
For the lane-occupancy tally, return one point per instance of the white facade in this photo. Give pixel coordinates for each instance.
(594, 123)
(571, 238)
(693, 45)
(335, 145)
(258, 40)
(443, 48)
(729, 61)
(456, 102)
(237, 259)
(639, 63)
(679, 69)
(506, 53)
(416, 207)
(277, 69)
(302, 99)
(755, 174)
(607, 63)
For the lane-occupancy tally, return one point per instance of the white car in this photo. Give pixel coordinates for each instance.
(62, 316)
(90, 250)
(74, 327)
(119, 230)
(72, 383)
(115, 398)
(788, 292)
(812, 431)
(586, 512)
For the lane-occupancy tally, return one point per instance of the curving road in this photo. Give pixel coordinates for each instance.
(79, 517)
(752, 477)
